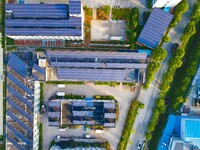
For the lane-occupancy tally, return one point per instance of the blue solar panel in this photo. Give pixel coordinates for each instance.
(18, 83)
(154, 28)
(18, 120)
(43, 32)
(20, 109)
(38, 10)
(20, 97)
(39, 69)
(74, 7)
(43, 23)
(14, 143)
(19, 135)
(17, 64)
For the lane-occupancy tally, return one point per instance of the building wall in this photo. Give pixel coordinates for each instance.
(36, 115)
(73, 38)
(165, 3)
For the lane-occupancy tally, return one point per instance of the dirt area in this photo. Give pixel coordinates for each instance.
(66, 113)
(103, 30)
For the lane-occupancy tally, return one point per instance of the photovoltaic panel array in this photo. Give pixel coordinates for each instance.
(38, 10)
(42, 20)
(43, 23)
(74, 7)
(92, 74)
(154, 28)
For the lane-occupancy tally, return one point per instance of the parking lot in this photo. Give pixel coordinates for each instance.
(123, 95)
(103, 30)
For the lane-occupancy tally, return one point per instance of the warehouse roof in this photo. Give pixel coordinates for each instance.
(46, 19)
(154, 28)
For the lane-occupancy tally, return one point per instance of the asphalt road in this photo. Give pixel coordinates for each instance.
(1, 88)
(149, 96)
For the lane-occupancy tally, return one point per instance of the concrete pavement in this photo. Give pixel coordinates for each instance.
(1, 88)
(149, 96)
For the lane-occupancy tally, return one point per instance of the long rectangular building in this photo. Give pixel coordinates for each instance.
(22, 102)
(97, 65)
(44, 21)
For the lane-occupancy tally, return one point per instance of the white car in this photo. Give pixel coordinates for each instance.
(139, 146)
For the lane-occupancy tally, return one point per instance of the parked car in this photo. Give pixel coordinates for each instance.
(139, 146)
(174, 47)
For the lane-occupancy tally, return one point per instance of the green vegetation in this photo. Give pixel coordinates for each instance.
(108, 83)
(103, 12)
(72, 144)
(40, 49)
(128, 84)
(188, 54)
(41, 95)
(166, 38)
(103, 97)
(146, 15)
(158, 55)
(133, 27)
(2, 11)
(180, 9)
(133, 110)
(9, 41)
(65, 82)
(40, 136)
(88, 11)
(149, 4)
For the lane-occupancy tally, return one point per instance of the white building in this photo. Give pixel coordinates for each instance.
(165, 3)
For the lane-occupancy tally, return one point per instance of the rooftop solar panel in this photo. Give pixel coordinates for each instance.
(18, 83)
(14, 143)
(154, 28)
(74, 7)
(38, 68)
(18, 121)
(19, 134)
(93, 74)
(43, 32)
(19, 109)
(20, 97)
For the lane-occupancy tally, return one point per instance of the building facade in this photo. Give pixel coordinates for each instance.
(165, 3)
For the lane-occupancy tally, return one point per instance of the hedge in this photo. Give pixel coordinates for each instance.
(133, 110)
(65, 82)
(103, 97)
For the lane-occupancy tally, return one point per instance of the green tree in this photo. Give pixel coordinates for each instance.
(148, 136)
(166, 38)
(158, 54)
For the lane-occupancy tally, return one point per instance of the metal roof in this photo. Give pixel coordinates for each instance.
(155, 28)
(74, 7)
(46, 19)
(95, 74)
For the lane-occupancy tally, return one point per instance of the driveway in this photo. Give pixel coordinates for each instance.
(149, 96)
(123, 95)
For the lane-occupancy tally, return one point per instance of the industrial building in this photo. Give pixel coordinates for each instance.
(164, 3)
(86, 111)
(154, 29)
(181, 133)
(44, 21)
(23, 101)
(98, 66)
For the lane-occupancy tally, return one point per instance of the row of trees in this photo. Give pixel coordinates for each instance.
(180, 9)
(133, 110)
(158, 56)
(174, 63)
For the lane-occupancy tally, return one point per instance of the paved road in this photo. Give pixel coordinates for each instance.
(1, 89)
(149, 96)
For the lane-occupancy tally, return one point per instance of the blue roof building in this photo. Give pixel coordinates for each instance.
(190, 130)
(44, 21)
(154, 28)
